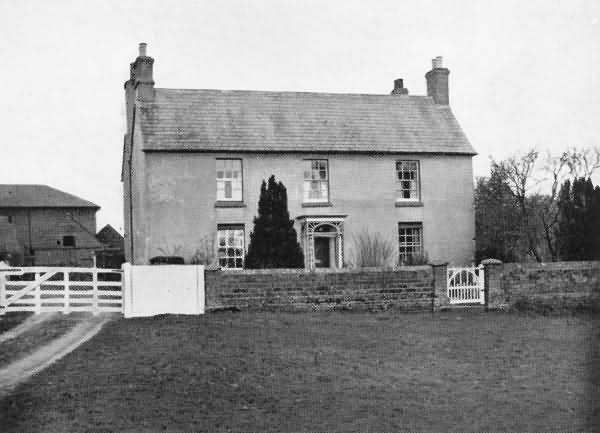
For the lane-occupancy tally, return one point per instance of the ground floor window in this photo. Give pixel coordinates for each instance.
(230, 246)
(410, 241)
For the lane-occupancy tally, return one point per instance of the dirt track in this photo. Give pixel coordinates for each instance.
(22, 369)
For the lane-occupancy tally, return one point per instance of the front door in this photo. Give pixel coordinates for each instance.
(321, 252)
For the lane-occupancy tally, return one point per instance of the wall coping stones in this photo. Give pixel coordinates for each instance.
(284, 271)
(491, 262)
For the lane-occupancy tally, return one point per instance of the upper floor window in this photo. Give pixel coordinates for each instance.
(229, 179)
(316, 180)
(68, 241)
(407, 179)
(230, 252)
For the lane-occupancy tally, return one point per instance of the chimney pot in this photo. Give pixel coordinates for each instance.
(399, 87)
(143, 46)
(437, 63)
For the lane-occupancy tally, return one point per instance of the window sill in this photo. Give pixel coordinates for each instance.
(317, 204)
(409, 204)
(230, 204)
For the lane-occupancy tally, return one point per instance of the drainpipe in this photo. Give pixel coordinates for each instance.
(29, 229)
(130, 185)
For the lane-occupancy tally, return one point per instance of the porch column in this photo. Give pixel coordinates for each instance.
(340, 248)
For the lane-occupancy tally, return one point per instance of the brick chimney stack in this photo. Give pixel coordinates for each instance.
(399, 88)
(437, 82)
(140, 84)
(141, 80)
(142, 74)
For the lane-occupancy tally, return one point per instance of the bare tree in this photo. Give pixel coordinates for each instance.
(518, 170)
(556, 167)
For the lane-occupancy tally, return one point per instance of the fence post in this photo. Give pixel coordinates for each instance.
(495, 297)
(67, 295)
(440, 286)
(95, 292)
(481, 281)
(37, 294)
(2, 289)
(126, 290)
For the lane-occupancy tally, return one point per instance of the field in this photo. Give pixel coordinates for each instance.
(322, 371)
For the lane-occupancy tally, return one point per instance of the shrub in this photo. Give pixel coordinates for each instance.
(372, 250)
(167, 260)
(416, 260)
(205, 254)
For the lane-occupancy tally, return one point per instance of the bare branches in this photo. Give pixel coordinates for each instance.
(583, 162)
(518, 170)
(556, 167)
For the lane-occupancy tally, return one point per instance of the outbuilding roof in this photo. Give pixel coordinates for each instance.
(258, 121)
(40, 196)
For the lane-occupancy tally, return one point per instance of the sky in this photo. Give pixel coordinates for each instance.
(522, 73)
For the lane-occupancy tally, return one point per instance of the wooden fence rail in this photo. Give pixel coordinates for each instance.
(60, 289)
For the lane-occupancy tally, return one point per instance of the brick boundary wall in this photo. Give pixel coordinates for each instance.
(406, 289)
(543, 286)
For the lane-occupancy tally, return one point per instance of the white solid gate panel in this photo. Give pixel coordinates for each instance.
(163, 289)
(466, 285)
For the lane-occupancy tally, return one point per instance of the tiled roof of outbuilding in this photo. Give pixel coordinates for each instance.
(257, 121)
(39, 196)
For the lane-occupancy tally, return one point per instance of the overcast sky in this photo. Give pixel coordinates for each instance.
(522, 73)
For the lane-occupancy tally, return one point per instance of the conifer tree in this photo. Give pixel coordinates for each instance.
(578, 232)
(273, 242)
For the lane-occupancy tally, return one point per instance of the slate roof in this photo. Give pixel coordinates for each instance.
(39, 196)
(257, 121)
(110, 237)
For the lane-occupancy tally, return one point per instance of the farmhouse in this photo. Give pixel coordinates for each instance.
(41, 226)
(193, 162)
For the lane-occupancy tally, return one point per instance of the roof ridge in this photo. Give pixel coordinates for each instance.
(292, 92)
(40, 195)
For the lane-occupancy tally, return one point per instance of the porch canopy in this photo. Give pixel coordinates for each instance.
(322, 239)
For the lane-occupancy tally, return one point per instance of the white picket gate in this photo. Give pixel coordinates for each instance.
(466, 285)
(52, 289)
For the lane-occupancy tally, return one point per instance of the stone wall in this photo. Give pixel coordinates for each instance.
(544, 286)
(409, 289)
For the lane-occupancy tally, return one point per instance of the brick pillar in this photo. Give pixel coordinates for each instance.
(495, 298)
(440, 286)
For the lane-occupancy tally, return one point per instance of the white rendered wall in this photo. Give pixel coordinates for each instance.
(163, 289)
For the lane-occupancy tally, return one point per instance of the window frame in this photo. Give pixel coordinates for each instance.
(230, 228)
(417, 182)
(231, 179)
(403, 257)
(305, 194)
(70, 245)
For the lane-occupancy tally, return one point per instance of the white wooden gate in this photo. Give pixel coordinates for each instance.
(466, 285)
(51, 289)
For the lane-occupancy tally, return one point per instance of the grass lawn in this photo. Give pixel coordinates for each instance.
(39, 335)
(322, 371)
(11, 320)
